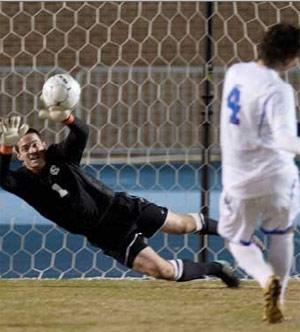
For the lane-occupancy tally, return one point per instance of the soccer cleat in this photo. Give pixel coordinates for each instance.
(272, 312)
(226, 274)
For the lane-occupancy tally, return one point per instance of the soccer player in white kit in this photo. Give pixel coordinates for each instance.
(260, 179)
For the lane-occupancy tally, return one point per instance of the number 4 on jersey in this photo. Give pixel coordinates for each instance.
(233, 102)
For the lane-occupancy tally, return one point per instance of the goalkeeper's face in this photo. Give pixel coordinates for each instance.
(31, 150)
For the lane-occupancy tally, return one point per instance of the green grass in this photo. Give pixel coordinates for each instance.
(137, 305)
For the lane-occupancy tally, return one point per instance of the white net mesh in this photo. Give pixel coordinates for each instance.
(142, 69)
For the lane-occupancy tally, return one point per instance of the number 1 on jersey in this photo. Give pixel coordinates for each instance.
(233, 102)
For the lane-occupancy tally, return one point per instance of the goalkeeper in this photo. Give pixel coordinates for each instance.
(53, 183)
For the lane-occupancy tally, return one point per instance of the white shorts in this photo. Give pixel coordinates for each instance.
(274, 213)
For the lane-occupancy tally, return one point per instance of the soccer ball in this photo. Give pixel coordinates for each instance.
(61, 90)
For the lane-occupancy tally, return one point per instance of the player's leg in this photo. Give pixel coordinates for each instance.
(251, 260)
(154, 218)
(122, 237)
(150, 263)
(278, 225)
(195, 223)
(281, 252)
(189, 223)
(237, 224)
(281, 232)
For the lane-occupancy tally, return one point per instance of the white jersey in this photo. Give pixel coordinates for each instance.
(257, 108)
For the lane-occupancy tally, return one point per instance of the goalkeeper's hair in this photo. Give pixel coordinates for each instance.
(33, 131)
(29, 131)
(281, 43)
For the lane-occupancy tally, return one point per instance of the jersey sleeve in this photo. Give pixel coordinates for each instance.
(73, 146)
(282, 110)
(281, 113)
(8, 178)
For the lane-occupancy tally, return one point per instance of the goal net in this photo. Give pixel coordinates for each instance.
(143, 71)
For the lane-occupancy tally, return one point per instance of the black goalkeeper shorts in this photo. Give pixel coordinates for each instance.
(122, 231)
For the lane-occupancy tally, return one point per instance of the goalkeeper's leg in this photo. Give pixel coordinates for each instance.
(189, 223)
(149, 262)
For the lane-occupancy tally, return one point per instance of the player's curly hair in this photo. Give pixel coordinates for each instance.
(280, 44)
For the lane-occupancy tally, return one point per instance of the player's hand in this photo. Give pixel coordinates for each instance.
(12, 130)
(55, 113)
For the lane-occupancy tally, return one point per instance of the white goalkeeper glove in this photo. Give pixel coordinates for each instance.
(12, 130)
(55, 113)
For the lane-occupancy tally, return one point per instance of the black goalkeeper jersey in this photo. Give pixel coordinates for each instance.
(61, 192)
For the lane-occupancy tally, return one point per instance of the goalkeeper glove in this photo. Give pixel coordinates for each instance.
(55, 113)
(12, 130)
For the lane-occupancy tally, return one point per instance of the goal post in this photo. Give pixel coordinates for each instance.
(151, 75)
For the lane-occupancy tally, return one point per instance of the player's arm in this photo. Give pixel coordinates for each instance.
(282, 116)
(10, 132)
(289, 143)
(7, 178)
(73, 145)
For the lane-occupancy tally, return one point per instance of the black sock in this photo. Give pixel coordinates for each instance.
(210, 226)
(193, 270)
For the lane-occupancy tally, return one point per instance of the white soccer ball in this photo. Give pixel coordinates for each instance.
(61, 90)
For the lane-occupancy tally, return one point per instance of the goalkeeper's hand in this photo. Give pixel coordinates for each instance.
(55, 113)
(12, 130)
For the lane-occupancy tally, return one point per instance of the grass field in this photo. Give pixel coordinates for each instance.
(137, 305)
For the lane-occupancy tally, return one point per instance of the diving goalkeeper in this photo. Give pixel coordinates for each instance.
(52, 182)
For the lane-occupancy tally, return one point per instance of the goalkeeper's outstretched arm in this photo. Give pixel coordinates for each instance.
(6, 178)
(74, 144)
(72, 147)
(10, 131)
